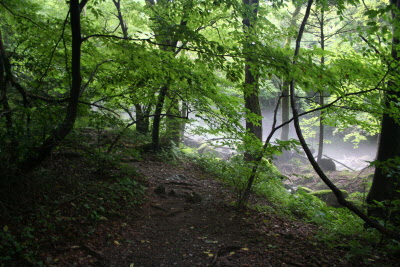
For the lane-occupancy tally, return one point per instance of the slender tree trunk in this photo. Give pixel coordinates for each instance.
(173, 123)
(142, 124)
(66, 126)
(155, 134)
(285, 110)
(251, 90)
(184, 114)
(168, 44)
(321, 95)
(285, 85)
(3, 86)
(318, 170)
(385, 187)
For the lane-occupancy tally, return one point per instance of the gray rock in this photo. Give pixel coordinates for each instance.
(327, 165)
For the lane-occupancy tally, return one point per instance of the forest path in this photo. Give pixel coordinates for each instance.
(187, 221)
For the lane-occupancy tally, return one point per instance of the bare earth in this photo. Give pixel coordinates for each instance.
(193, 223)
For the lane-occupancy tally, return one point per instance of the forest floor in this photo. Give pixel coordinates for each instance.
(187, 218)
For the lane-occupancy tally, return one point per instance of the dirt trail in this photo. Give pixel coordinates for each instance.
(193, 224)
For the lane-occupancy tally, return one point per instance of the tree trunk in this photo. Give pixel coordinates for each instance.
(318, 170)
(173, 123)
(142, 120)
(285, 110)
(385, 186)
(251, 90)
(42, 152)
(155, 134)
(321, 95)
(285, 85)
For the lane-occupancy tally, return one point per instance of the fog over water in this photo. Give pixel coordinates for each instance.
(344, 152)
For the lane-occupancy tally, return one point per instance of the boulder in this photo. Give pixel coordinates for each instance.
(329, 197)
(327, 165)
(192, 142)
(207, 149)
(304, 189)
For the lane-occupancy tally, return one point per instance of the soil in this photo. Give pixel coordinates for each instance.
(188, 219)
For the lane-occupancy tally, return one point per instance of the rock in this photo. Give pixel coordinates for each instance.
(329, 197)
(290, 156)
(194, 198)
(304, 189)
(177, 178)
(159, 190)
(290, 189)
(192, 142)
(207, 149)
(172, 193)
(327, 165)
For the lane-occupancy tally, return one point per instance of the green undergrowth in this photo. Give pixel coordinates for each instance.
(63, 201)
(339, 227)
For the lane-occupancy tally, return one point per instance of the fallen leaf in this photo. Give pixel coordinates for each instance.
(208, 253)
(245, 249)
(116, 243)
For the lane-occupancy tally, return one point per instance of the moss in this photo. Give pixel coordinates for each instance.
(304, 189)
(329, 197)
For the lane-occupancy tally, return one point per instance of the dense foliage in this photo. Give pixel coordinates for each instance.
(157, 71)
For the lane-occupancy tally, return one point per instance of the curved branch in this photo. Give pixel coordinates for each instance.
(317, 168)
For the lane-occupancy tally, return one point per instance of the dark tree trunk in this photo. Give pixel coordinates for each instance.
(4, 65)
(318, 170)
(285, 85)
(251, 90)
(385, 186)
(321, 95)
(285, 110)
(142, 120)
(173, 123)
(42, 152)
(168, 43)
(184, 114)
(122, 23)
(155, 134)
(142, 124)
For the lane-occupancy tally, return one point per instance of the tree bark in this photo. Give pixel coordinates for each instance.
(173, 122)
(321, 95)
(155, 134)
(42, 152)
(168, 43)
(251, 90)
(285, 84)
(384, 186)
